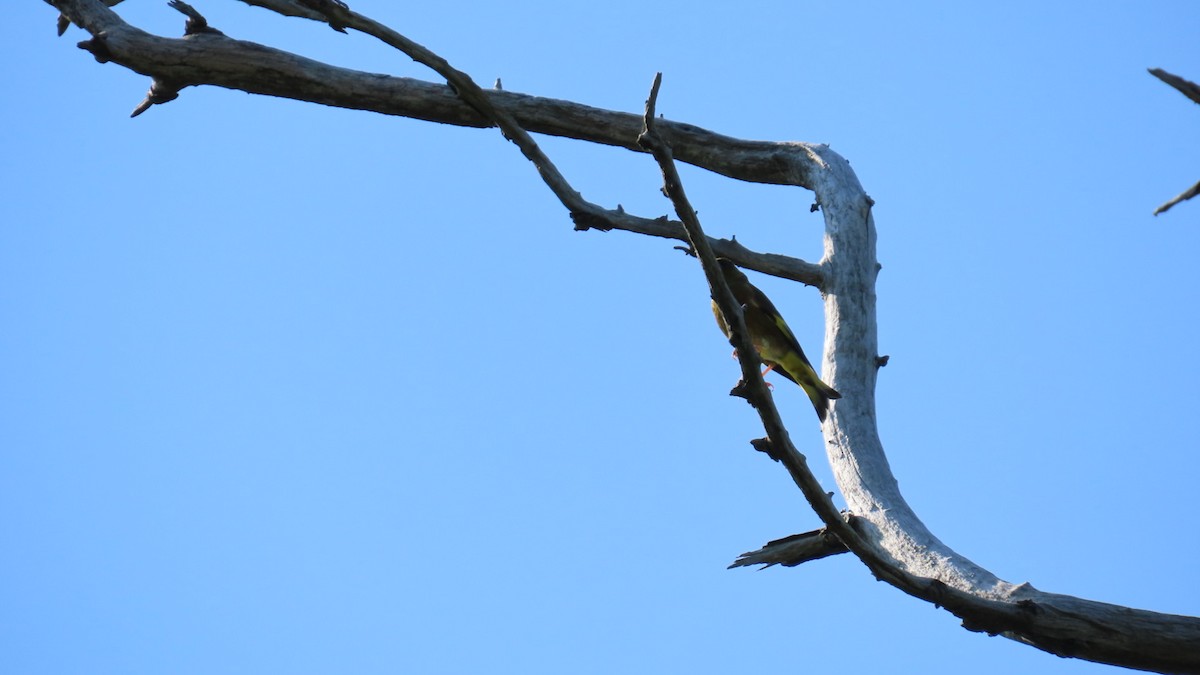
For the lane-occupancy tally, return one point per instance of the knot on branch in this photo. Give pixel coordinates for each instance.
(742, 390)
(765, 446)
(752, 395)
(589, 221)
(98, 47)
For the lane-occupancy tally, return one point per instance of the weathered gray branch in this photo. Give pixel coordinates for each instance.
(1181, 197)
(883, 532)
(793, 550)
(1192, 91)
(929, 569)
(217, 60)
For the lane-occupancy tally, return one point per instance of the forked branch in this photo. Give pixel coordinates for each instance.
(883, 531)
(1192, 91)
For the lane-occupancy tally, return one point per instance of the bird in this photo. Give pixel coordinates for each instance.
(775, 342)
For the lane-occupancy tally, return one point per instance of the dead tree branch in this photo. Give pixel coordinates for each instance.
(1192, 91)
(1186, 87)
(883, 532)
(793, 550)
(222, 61)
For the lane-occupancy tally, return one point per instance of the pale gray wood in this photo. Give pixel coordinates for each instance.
(885, 532)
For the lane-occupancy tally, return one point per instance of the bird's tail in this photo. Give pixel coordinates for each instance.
(820, 394)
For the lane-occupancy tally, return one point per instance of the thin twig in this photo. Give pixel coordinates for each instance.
(257, 69)
(1192, 91)
(780, 442)
(591, 215)
(585, 214)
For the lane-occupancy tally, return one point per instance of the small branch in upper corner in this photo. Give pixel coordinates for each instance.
(1186, 87)
(1181, 197)
(1191, 90)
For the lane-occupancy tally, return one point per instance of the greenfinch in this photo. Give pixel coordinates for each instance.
(775, 342)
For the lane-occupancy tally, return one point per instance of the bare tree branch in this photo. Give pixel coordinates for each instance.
(1181, 197)
(289, 8)
(1186, 87)
(883, 531)
(584, 213)
(794, 550)
(217, 60)
(888, 536)
(64, 22)
(1191, 90)
(1059, 624)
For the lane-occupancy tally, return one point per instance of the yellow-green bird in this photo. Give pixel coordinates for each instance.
(776, 344)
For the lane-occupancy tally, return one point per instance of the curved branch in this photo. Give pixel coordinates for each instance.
(884, 531)
(925, 567)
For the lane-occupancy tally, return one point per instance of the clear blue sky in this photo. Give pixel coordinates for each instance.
(286, 388)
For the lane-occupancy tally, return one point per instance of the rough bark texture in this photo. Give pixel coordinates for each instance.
(1059, 624)
(884, 531)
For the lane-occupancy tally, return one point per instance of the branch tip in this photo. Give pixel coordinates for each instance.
(1181, 197)
(1186, 87)
(196, 23)
(589, 221)
(160, 92)
(793, 550)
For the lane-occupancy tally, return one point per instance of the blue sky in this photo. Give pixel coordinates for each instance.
(286, 388)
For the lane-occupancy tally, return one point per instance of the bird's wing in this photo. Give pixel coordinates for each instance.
(771, 343)
(759, 300)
